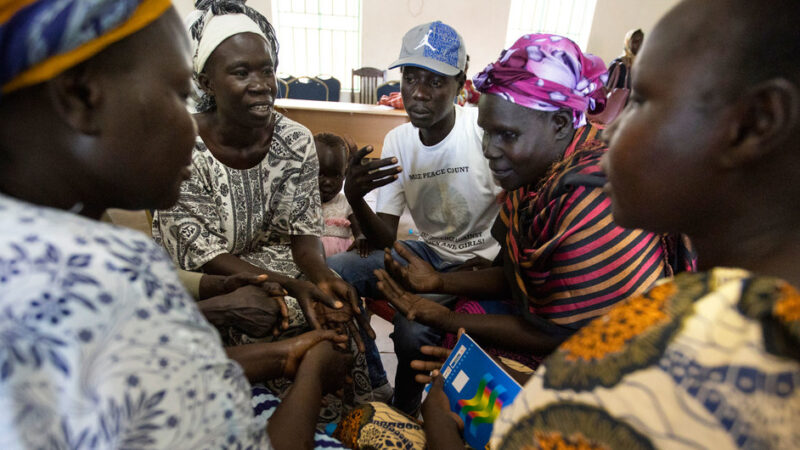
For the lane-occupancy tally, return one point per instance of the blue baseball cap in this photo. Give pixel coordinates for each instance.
(433, 46)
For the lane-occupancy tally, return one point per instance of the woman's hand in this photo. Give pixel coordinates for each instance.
(418, 276)
(341, 321)
(412, 306)
(338, 288)
(295, 348)
(438, 356)
(249, 309)
(437, 406)
(308, 295)
(443, 428)
(327, 364)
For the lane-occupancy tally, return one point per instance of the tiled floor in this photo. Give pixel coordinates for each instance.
(385, 346)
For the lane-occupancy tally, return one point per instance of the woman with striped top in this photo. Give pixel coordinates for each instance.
(563, 260)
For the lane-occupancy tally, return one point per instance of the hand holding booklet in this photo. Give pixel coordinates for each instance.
(478, 389)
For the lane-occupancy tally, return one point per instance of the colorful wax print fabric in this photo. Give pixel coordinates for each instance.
(707, 360)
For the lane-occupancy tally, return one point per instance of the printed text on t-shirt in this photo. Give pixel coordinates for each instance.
(436, 173)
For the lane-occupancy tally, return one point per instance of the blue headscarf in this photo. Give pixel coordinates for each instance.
(41, 39)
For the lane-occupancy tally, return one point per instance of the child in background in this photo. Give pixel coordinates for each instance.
(340, 224)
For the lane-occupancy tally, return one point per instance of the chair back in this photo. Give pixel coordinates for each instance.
(369, 79)
(388, 87)
(334, 86)
(307, 88)
(283, 89)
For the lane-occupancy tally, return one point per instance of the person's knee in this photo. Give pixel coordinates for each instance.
(409, 336)
(342, 263)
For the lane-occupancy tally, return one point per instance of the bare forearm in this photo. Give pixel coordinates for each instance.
(442, 433)
(293, 424)
(354, 227)
(211, 286)
(498, 330)
(259, 361)
(308, 254)
(378, 233)
(484, 284)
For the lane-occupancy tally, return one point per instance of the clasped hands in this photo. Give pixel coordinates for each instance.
(323, 308)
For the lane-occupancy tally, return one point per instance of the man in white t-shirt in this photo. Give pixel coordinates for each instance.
(435, 167)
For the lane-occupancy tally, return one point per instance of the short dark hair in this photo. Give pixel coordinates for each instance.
(332, 141)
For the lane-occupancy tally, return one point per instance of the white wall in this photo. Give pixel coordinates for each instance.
(613, 18)
(482, 23)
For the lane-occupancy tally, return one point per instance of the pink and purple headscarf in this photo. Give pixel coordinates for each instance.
(546, 72)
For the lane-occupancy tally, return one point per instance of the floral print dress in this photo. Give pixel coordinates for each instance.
(101, 346)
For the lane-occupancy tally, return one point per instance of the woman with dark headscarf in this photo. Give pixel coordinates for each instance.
(620, 68)
(252, 202)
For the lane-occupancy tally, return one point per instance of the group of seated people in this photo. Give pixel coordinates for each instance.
(567, 251)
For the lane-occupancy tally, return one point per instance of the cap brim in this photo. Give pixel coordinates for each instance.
(431, 64)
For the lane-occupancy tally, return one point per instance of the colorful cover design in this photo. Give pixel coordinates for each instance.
(477, 388)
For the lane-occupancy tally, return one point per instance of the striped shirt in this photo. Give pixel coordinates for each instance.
(565, 259)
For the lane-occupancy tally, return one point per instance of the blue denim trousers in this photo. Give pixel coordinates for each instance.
(408, 336)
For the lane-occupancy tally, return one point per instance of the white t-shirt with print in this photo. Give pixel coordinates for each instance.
(448, 188)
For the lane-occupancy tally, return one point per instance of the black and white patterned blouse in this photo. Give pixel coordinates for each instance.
(249, 213)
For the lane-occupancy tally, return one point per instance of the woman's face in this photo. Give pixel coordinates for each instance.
(636, 42)
(332, 166)
(240, 75)
(147, 132)
(520, 143)
(660, 159)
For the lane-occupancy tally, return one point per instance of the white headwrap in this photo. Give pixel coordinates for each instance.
(212, 23)
(216, 30)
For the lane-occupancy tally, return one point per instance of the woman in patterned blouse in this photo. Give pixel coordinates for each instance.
(252, 202)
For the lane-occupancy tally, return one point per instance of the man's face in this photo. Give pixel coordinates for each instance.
(428, 97)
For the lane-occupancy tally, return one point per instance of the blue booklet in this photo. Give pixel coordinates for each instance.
(477, 388)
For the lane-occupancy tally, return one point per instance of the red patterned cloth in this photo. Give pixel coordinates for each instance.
(395, 100)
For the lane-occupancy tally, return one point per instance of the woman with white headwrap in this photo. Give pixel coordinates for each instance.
(252, 201)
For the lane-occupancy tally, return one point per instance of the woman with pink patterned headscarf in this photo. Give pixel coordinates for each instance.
(563, 261)
(546, 72)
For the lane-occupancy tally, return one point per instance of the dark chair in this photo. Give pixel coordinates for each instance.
(387, 88)
(369, 79)
(334, 87)
(308, 88)
(283, 89)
